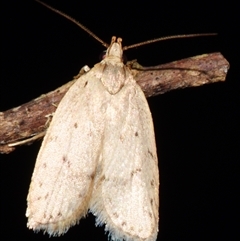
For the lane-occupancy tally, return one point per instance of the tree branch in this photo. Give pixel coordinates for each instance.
(28, 122)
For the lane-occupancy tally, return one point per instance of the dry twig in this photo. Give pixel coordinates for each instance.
(28, 122)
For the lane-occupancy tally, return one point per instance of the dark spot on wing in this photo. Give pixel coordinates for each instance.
(136, 133)
(91, 176)
(85, 84)
(121, 138)
(69, 164)
(102, 178)
(46, 196)
(115, 215)
(124, 224)
(136, 171)
(40, 184)
(150, 215)
(152, 183)
(39, 198)
(44, 165)
(64, 158)
(149, 152)
(59, 214)
(75, 125)
(151, 201)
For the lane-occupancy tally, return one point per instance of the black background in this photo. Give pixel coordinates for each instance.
(196, 129)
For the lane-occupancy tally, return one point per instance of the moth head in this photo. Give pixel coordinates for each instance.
(115, 48)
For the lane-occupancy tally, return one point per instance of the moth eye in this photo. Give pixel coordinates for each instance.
(103, 54)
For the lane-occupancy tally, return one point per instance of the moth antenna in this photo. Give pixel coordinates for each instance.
(125, 47)
(167, 38)
(74, 21)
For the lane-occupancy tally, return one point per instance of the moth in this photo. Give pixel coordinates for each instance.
(99, 154)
